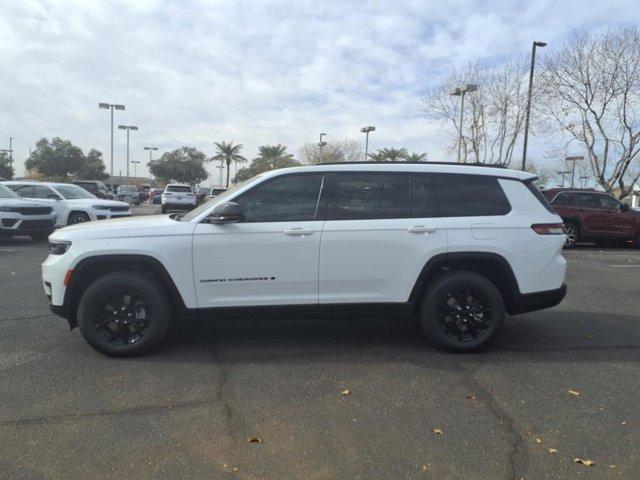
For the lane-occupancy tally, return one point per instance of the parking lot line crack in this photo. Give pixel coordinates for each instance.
(516, 456)
(31, 317)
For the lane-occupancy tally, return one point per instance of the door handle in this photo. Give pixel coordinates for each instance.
(421, 229)
(297, 232)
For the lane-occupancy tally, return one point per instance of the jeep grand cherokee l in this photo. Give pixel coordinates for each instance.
(455, 246)
(589, 215)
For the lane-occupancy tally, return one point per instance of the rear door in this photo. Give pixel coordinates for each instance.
(623, 223)
(373, 245)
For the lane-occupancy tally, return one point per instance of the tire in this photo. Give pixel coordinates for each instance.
(163, 209)
(142, 321)
(40, 237)
(77, 217)
(461, 311)
(572, 232)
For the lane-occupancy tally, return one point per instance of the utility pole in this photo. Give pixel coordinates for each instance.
(573, 160)
(128, 128)
(563, 173)
(111, 106)
(460, 92)
(322, 145)
(366, 131)
(526, 122)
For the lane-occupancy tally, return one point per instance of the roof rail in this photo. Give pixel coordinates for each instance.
(405, 162)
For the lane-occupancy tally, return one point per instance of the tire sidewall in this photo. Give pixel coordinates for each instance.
(436, 293)
(73, 216)
(151, 292)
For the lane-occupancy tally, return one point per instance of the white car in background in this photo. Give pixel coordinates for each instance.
(177, 196)
(24, 217)
(72, 204)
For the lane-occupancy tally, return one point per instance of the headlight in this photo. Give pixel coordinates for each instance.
(100, 207)
(7, 209)
(58, 247)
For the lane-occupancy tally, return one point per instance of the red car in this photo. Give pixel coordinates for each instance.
(595, 216)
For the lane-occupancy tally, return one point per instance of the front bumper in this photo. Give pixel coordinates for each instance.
(18, 224)
(530, 302)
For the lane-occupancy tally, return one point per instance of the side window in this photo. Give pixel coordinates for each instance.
(562, 199)
(40, 191)
(608, 202)
(422, 197)
(588, 200)
(360, 196)
(462, 195)
(289, 198)
(25, 191)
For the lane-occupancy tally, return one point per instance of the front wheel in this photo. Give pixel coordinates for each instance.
(461, 311)
(78, 217)
(123, 314)
(571, 234)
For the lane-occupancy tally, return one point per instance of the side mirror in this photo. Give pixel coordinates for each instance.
(624, 207)
(228, 212)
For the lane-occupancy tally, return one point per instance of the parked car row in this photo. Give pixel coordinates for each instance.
(68, 203)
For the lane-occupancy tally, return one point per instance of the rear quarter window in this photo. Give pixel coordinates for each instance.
(461, 195)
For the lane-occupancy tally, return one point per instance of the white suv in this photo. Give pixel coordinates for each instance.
(71, 203)
(177, 197)
(24, 217)
(455, 246)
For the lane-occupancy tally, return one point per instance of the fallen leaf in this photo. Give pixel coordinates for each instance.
(588, 335)
(471, 397)
(12, 273)
(345, 392)
(552, 450)
(538, 440)
(437, 431)
(424, 468)
(575, 393)
(588, 463)
(612, 466)
(235, 469)
(623, 423)
(254, 440)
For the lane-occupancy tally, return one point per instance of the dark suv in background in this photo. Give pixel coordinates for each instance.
(595, 216)
(97, 188)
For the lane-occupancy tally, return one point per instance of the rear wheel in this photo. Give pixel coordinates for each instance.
(461, 311)
(78, 217)
(571, 233)
(124, 314)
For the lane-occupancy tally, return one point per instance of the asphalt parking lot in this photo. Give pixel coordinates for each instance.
(557, 385)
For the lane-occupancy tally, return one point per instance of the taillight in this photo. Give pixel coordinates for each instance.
(548, 228)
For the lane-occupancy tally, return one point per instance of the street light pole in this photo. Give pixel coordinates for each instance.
(135, 168)
(366, 131)
(151, 149)
(127, 128)
(321, 145)
(573, 160)
(111, 106)
(11, 151)
(460, 92)
(563, 173)
(526, 122)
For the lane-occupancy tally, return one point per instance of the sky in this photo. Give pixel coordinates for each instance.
(193, 72)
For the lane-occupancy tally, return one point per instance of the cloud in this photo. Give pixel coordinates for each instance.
(195, 72)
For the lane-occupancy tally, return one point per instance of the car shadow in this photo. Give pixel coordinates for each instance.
(575, 335)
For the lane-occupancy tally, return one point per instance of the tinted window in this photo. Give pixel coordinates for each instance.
(608, 202)
(289, 198)
(89, 187)
(6, 193)
(371, 195)
(422, 198)
(25, 191)
(72, 192)
(469, 195)
(562, 199)
(586, 200)
(42, 191)
(179, 188)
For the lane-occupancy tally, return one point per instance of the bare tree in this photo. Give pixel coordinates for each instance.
(345, 150)
(493, 115)
(591, 90)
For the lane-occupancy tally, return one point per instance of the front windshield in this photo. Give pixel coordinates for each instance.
(220, 198)
(72, 192)
(6, 192)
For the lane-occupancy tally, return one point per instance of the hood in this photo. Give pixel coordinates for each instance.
(22, 202)
(96, 201)
(141, 226)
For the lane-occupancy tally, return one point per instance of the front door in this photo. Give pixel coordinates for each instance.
(376, 240)
(269, 258)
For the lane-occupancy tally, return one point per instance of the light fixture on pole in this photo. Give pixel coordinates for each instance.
(563, 173)
(151, 149)
(322, 145)
(573, 160)
(112, 107)
(127, 128)
(460, 92)
(366, 131)
(526, 122)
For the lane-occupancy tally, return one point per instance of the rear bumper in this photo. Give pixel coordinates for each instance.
(537, 301)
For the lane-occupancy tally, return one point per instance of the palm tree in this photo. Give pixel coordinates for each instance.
(389, 155)
(416, 157)
(228, 152)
